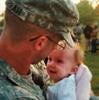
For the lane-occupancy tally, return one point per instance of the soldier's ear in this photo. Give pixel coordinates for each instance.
(41, 43)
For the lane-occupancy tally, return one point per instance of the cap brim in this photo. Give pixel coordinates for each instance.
(68, 38)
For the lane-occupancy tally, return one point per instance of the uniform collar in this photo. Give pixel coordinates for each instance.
(7, 71)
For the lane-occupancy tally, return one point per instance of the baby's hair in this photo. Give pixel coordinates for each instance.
(79, 55)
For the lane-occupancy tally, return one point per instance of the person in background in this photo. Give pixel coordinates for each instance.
(33, 28)
(94, 38)
(87, 30)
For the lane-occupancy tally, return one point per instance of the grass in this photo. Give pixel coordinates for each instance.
(92, 60)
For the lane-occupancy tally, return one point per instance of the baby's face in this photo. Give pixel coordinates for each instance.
(60, 64)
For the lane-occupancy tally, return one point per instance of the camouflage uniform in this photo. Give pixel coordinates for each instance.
(56, 16)
(15, 87)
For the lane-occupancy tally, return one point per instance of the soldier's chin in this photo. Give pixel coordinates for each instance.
(35, 61)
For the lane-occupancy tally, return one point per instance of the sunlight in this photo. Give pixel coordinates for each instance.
(94, 3)
(2, 6)
(75, 1)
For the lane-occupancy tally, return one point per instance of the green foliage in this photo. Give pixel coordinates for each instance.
(87, 13)
(1, 20)
(96, 13)
(92, 60)
(1, 23)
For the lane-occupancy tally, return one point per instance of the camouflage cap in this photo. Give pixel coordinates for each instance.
(53, 15)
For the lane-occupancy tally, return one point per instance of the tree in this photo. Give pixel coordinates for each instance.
(86, 12)
(96, 13)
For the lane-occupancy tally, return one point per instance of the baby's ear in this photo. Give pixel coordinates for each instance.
(74, 70)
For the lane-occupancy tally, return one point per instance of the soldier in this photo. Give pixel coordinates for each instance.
(33, 28)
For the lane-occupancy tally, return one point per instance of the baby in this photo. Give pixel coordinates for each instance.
(61, 67)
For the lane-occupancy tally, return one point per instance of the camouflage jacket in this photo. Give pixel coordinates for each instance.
(15, 87)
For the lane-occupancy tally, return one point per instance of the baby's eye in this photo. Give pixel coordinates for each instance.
(59, 61)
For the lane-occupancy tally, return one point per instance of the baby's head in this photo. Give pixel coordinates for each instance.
(61, 63)
(79, 55)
